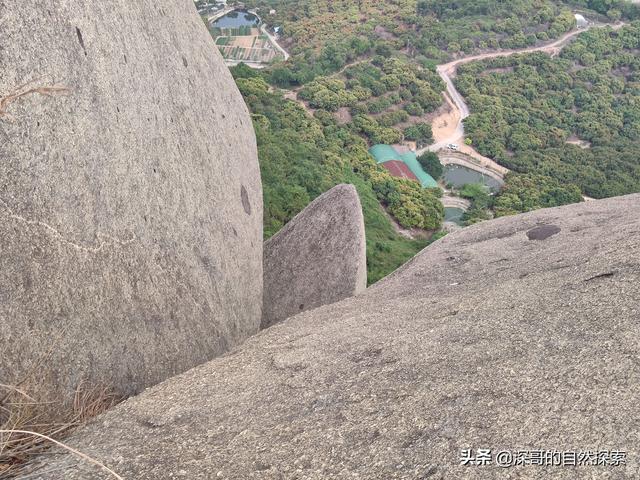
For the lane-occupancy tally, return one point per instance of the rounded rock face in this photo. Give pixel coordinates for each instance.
(486, 338)
(130, 196)
(318, 258)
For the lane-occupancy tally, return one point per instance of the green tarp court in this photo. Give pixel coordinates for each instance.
(384, 153)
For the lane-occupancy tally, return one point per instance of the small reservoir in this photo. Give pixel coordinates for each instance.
(458, 176)
(452, 214)
(236, 19)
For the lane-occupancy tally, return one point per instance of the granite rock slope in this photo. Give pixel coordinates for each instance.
(318, 258)
(130, 220)
(518, 334)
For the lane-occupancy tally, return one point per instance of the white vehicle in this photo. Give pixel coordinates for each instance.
(453, 146)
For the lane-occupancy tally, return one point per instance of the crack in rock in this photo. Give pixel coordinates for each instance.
(24, 90)
(108, 239)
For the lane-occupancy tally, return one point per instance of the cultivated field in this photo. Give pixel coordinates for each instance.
(254, 47)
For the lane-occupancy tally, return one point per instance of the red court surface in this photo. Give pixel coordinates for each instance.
(399, 169)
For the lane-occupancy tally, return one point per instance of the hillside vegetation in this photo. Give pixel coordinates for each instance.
(575, 119)
(365, 73)
(325, 35)
(386, 99)
(301, 157)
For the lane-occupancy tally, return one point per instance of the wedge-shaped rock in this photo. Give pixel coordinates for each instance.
(130, 197)
(318, 258)
(518, 334)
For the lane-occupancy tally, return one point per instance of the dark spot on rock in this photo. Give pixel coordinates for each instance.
(118, 109)
(184, 62)
(81, 40)
(260, 467)
(500, 260)
(602, 275)
(224, 116)
(429, 472)
(125, 59)
(147, 423)
(212, 271)
(27, 283)
(301, 306)
(543, 232)
(234, 231)
(154, 170)
(245, 200)
(373, 352)
(450, 259)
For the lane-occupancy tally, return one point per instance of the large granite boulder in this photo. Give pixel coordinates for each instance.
(318, 258)
(518, 334)
(130, 196)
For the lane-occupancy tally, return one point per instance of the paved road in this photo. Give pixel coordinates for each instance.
(273, 39)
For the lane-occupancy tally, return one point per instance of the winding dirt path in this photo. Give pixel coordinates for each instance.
(449, 127)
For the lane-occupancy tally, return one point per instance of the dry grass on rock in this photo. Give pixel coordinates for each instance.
(29, 425)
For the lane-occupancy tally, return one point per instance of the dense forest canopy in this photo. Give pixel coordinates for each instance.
(323, 36)
(364, 72)
(536, 114)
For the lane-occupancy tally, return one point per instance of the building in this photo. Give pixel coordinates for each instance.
(402, 164)
(581, 21)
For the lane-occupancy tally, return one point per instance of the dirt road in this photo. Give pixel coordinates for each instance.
(449, 127)
(274, 40)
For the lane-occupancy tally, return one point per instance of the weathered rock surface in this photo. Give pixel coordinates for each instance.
(318, 258)
(130, 201)
(487, 339)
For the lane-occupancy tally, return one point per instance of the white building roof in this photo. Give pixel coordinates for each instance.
(582, 22)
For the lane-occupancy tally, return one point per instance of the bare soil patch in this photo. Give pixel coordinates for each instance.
(574, 140)
(343, 115)
(381, 32)
(445, 121)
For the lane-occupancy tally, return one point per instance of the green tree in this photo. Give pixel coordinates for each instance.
(431, 164)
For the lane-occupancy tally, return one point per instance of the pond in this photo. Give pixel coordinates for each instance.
(454, 215)
(459, 176)
(235, 19)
